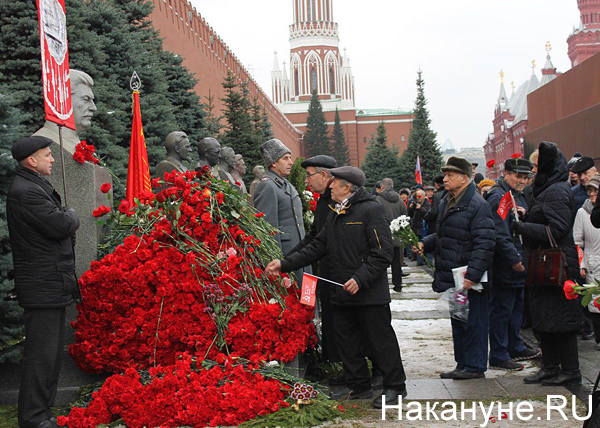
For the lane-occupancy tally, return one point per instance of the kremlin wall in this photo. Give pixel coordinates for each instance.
(186, 33)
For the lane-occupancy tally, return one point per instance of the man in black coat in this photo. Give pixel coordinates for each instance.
(394, 208)
(507, 299)
(319, 178)
(585, 169)
(432, 216)
(465, 237)
(41, 235)
(358, 240)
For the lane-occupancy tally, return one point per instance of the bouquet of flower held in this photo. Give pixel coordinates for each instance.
(400, 228)
(590, 293)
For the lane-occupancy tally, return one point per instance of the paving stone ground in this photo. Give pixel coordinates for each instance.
(422, 325)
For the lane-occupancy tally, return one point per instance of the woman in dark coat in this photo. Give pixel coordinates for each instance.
(556, 319)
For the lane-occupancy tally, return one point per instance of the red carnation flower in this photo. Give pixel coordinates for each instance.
(516, 156)
(570, 292)
(597, 303)
(491, 163)
(101, 210)
(105, 188)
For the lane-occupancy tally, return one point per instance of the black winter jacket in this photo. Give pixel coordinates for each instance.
(41, 233)
(418, 215)
(550, 310)
(433, 214)
(509, 249)
(358, 242)
(394, 208)
(325, 206)
(465, 237)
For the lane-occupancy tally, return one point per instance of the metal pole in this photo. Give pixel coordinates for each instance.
(62, 165)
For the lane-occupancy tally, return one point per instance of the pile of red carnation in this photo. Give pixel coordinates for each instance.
(182, 394)
(191, 284)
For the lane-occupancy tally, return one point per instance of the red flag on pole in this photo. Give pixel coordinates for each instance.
(55, 62)
(309, 287)
(138, 173)
(418, 176)
(580, 255)
(506, 204)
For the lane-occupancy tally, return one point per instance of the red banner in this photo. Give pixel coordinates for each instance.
(138, 172)
(309, 288)
(506, 204)
(55, 62)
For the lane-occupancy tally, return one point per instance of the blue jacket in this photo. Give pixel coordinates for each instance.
(509, 249)
(580, 195)
(465, 237)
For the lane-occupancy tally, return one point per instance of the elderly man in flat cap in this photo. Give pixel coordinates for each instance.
(465, 236)
(41, 234)
(278, 199)
(358, 241)
(318, 177)
(585, 168)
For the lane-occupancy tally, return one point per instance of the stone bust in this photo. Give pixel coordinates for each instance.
(82, 98)
(209, 150)
(259, 172)
(178, 149)
(226, 164)
(238, 171)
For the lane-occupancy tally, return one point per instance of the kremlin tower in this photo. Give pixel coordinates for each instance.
(585, 40)
(316, 64)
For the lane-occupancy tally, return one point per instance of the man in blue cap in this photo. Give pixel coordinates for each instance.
(42, 237)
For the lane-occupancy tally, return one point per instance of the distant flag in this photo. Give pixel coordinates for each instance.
(138, 173)
(418, 177)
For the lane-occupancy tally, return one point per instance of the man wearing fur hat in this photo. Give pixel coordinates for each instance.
(279, 200)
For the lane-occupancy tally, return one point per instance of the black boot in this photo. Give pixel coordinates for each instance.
(564, 378)
(543, 374)
(391, 398)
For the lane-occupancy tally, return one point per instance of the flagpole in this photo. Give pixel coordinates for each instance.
(516, 212)
(62, 165)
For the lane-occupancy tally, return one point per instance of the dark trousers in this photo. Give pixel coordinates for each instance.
(42, 360)
(397, 267)
(596, 321)
(506, 317)
(330, 352)
(471, 337)
(359, 328)
(560, 349)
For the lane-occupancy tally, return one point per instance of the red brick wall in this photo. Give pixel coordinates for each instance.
(209, 58)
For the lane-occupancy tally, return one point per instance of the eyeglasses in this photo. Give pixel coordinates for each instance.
(592, 190)
(314, 173)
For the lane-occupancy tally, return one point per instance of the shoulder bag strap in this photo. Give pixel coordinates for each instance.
(553, 243)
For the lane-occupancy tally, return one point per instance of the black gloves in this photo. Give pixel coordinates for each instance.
(518, 227)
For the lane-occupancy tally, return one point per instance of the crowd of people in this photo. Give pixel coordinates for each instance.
(494, 229)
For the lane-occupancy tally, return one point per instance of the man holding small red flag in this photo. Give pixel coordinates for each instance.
(138, 173)
(509, 275)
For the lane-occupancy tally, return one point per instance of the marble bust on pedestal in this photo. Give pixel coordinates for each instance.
(238, 171)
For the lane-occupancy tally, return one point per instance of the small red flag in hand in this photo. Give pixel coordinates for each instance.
(506, 204)
(309, 288)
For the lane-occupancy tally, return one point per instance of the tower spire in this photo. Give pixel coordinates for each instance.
(502, 98)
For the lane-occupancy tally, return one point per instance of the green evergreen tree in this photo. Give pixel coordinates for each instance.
(421, 142)
(316, 137)
(266, 126)
(107, 40)
(11, 315)
(381, 161)
(339, 148)
(298, 179)
(213, 122)
(240, 133)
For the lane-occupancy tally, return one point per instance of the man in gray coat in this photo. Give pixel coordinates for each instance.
(394, 208)
(279, 200)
